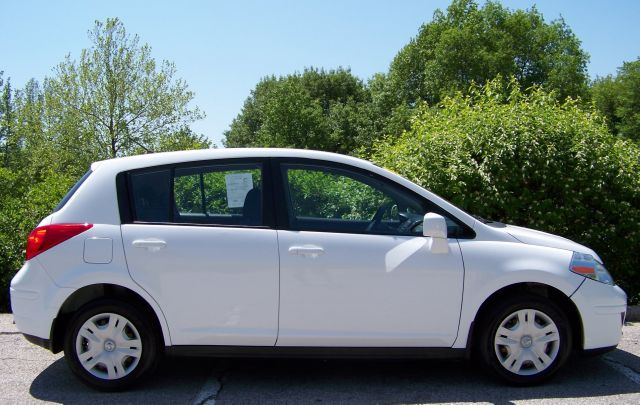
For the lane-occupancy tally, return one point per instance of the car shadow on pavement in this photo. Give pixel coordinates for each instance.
(341, 381)
(175, 381)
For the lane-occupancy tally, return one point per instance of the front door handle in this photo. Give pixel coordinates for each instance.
(306, 250)
(151, 244)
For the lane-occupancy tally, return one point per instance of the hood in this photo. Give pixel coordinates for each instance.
(538, 238)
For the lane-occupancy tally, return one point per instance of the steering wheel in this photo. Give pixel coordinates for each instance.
(377, 217)
(408, 222)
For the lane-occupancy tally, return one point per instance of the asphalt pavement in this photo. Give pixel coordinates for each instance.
(30, 374)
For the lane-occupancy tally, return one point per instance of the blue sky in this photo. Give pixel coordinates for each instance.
(222, 49)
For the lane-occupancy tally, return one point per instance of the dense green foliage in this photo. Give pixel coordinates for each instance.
(529, 160)
(618, 99)
(475, 44)
(317, 109)
(113, 102)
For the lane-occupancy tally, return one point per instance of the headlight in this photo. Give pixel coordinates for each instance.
(586, 265)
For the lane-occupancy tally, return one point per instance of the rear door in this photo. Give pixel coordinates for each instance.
(200, 240)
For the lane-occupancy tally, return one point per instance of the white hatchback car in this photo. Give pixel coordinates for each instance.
(281, 252)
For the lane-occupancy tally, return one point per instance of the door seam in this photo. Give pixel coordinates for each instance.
(279, 287)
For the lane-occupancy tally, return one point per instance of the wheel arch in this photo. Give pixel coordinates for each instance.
(89, 293)
(543, 290)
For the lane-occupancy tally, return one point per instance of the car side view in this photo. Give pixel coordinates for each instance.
(282, 252)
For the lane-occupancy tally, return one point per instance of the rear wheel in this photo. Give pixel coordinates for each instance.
(110, 345)
(525, 340)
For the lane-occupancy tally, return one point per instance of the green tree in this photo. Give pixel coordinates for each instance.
(7, 119)
(28, 134)
(389, 114)
(182, 139)
(469, 44)
(618, 99)
(317, 109)
(529, 160)
(116, 100)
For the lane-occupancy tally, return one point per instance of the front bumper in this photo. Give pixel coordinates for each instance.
(602, 308)
(46, 343)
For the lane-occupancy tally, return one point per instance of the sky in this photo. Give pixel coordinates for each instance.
(222, 49)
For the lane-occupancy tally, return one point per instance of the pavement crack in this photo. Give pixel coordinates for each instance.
(207, 399)
(10, 333)
(211, 389)
(221, 379)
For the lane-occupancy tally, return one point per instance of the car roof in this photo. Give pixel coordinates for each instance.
(163, 158)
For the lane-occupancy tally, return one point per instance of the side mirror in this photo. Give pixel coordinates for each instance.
(435, 227)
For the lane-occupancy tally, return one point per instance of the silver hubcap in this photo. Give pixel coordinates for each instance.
(527, 342)
(108, 346)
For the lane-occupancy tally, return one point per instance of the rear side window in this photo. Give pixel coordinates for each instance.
(72, 191)
(218, 195)
(214, 195)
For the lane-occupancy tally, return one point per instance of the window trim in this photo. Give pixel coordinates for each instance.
(284, 208)
(125, 192)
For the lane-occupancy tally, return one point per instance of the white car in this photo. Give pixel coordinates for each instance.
(282, 252)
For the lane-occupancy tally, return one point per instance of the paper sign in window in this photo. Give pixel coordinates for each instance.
(238, 185)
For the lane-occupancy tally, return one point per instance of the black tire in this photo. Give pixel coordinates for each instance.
(494, 354)
(137, 328)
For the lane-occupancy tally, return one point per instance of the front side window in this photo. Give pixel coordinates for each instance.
(336, 200)
(216, 195)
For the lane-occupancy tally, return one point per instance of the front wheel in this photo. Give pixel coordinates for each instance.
(110, 345)
(525, 340)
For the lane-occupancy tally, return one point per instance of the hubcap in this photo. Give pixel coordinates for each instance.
(108, 346)
(527, 342)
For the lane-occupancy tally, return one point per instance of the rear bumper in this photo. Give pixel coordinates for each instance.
(602, 308)
(35, 301)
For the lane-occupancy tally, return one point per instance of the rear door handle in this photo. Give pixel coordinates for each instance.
(307, 250)
(150, 244)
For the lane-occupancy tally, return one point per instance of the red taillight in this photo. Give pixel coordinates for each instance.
(45, 237)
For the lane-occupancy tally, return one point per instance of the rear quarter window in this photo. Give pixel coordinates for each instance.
(72, 191)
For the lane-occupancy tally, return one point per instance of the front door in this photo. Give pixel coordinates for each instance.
(355, 269)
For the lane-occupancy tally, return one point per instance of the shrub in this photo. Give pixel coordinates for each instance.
(529, 160)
